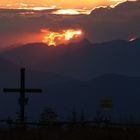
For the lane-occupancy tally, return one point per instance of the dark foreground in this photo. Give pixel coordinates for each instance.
(72, 133)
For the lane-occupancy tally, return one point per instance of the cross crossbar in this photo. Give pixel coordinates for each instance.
(19, 90)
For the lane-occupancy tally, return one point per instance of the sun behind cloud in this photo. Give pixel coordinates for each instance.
(66, 36)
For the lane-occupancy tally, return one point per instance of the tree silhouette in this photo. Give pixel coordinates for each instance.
(73, 116)
(82, 116)
(48, 116)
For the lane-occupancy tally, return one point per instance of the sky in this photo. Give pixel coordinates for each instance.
(101, 24)
(60, 3)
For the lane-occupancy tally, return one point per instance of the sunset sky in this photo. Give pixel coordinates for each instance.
(59, 3)
(96, 24)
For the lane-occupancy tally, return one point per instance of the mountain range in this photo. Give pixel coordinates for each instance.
(81, 61)
(77, 75)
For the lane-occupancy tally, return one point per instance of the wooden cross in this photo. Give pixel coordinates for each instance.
(22, 99)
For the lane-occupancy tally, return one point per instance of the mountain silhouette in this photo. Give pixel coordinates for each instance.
(82, 60)
(109, 70)
(122, 90)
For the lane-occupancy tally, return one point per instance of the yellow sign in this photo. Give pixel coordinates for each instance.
(106, 104)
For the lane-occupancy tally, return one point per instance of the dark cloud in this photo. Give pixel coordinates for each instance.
(115, 23)
(102, 24)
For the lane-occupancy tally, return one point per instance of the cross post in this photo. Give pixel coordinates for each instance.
(23, 100)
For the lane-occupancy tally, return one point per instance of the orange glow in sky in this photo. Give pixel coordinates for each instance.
(70, 4)
(62, 37)
(71, 12)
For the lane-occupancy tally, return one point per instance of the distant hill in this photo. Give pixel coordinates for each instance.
(10, 78)
(63, 96)
(122, 90)
(10, 74)
(82, 60)
(109, 70)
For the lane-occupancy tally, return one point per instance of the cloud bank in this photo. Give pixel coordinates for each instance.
(103, 24)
